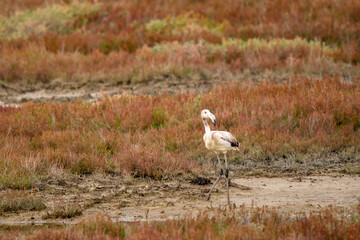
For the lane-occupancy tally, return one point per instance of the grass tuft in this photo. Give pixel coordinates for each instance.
(68, 211)
(15, 202)
(16, 180)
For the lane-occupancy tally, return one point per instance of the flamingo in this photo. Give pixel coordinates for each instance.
(218, 142)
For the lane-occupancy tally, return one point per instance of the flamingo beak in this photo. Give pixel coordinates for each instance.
(212, 118)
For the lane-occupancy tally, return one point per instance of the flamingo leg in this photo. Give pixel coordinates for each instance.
(218, 163)
(207, 198)
(227, 178)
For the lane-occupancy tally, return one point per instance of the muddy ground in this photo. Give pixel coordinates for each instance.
(128, 199)
(17, 93)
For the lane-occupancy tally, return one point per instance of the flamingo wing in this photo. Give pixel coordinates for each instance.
(227, 138)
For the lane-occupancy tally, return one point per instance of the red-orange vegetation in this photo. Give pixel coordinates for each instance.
(238, 223)
(159, 136)
(119, 29)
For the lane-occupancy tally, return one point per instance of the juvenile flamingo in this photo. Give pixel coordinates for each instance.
(218, 142)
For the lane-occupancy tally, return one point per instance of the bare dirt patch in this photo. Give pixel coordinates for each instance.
(128, 199)
(87, 90)
(15, 93)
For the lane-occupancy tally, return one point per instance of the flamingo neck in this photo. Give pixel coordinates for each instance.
(206, 125)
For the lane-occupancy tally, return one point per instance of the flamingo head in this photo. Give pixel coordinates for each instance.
(206, 114)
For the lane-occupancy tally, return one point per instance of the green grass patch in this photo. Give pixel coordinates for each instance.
(56, 18)
(186, 23)
(16, 181)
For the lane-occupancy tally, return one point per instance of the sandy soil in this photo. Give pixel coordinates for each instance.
(141, 200)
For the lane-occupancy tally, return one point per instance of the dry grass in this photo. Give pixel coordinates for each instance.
(68, 211)
(11, 201)
(31, 63)
(238, 223)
